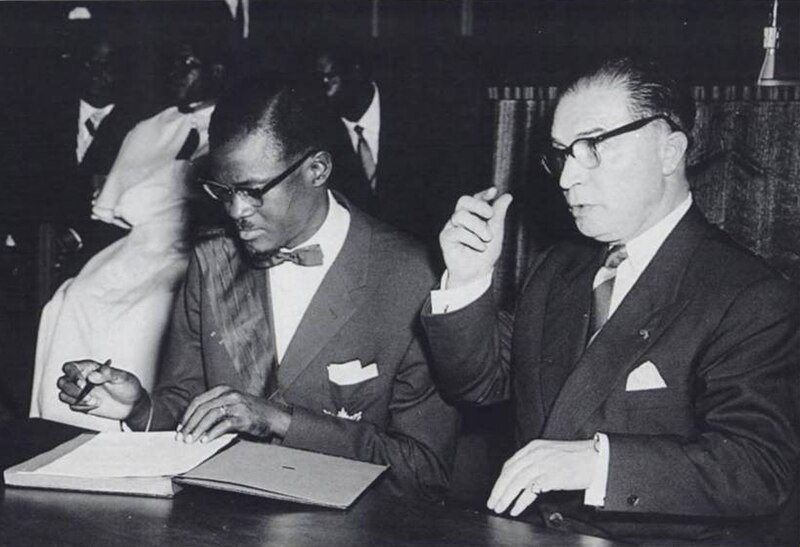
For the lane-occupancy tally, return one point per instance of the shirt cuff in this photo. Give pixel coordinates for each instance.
(449, 300)
(596, 493)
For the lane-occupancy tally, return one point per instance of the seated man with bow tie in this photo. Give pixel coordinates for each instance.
(654, 370)
(300, 325)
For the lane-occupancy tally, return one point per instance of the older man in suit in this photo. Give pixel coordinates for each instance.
(302, 327)
(654, 370)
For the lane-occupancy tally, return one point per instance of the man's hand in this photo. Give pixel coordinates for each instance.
(224, 410)
(472, 239)
(115, 394)
(542, 466)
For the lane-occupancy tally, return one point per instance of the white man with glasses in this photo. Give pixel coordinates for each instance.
(653, 368)
(299, 326)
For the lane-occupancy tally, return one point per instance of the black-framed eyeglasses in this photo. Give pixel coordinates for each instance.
(253, 196)
(584, 150)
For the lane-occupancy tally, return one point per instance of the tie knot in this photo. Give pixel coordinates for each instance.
(359, 130)
(310, 255)
(615, 256)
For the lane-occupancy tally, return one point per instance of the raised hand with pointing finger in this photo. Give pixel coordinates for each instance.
(472, 239)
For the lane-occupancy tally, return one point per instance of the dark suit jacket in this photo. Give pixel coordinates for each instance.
(720, 442)
(70, 184)
(66, 185)
(417, 180)
(366, 308)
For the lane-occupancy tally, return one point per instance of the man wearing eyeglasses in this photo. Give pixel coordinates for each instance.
(654, 369)
(301, 325)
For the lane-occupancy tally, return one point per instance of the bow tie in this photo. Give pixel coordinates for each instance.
(310, 255)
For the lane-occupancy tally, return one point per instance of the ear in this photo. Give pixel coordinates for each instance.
(673, 151)
(321, 166)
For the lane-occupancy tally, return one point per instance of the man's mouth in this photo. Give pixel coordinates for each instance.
(247, 233)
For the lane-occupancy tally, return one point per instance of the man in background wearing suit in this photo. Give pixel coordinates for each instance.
(394, 153)
(654, 370)
(301, 328)
(78, 137)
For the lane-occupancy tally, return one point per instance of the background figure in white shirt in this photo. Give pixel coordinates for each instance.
(653, 369)
(118, 306)
(397, 153)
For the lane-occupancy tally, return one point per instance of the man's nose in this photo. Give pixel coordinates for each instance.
(239, 207)
(573, 173)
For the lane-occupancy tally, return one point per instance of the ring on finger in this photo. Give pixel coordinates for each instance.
(224, 410)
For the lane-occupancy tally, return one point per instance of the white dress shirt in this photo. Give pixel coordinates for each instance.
(293, 286)
(371, 122)
(641, 251)
(84, 138)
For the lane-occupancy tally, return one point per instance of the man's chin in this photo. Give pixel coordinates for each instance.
(257, 254)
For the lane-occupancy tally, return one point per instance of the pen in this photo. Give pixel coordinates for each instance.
(89, 386)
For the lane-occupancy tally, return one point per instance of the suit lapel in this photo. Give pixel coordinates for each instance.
(646, 312)
(567, 323)
(339, 296)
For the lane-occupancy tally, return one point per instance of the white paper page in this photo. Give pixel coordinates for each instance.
(140, 454)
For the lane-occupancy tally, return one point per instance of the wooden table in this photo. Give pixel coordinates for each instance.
(199, 516)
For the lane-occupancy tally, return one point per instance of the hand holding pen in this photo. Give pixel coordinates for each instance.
(89, 386)
(99, 389)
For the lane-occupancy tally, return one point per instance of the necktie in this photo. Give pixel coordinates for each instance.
(604, 286)
(310, 255)
(367, 161)
(90, 126)
(189, 145)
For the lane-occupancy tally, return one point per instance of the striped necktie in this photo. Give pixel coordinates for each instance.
(604, 287)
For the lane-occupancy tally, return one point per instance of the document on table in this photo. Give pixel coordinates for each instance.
(151, 454)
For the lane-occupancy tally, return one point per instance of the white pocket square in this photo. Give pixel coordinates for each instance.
(347, 374)
(643, 377)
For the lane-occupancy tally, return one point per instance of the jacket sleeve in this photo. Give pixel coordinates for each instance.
(418, 441)
(471, 349)
(180, 375)
(744, 455)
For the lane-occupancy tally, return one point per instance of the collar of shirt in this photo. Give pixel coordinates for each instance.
(330, 236)
(84, 136)
(371, 122)
(643, 247)
(641, 251)
(88, 111)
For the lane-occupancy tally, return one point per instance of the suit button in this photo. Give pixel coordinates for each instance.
(555, 519)
(633, 500)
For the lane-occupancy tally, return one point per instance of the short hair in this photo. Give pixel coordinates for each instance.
(651, 88)
(292, 109)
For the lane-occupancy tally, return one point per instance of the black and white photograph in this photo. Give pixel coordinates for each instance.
(400, 273)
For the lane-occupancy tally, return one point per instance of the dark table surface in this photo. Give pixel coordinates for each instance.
(198, 516)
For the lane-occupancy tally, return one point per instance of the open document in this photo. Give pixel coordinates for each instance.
(155, 464)
(126, 463)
